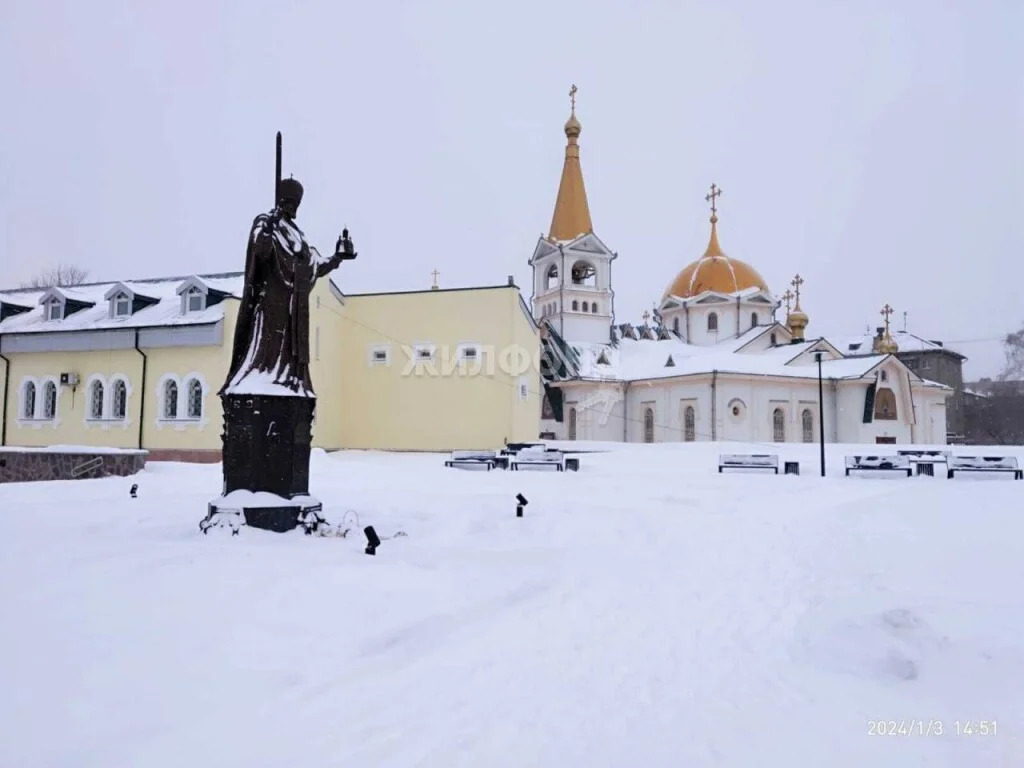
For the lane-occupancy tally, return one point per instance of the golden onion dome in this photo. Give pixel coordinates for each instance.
(714, 271)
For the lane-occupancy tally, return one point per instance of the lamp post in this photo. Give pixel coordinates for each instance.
(821, 412)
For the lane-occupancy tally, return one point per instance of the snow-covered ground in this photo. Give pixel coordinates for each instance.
(646, 611)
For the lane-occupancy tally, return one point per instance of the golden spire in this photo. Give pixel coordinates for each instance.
(572, 214)
(714, 249)
(887, 346)
(796, 320)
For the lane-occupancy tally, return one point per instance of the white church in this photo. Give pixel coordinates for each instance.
(713, 363)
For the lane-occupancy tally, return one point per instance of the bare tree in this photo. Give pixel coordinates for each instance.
(61, 275)
(1013, 345)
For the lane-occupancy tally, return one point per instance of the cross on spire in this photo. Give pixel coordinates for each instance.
(646, 316)
(886, 311)
(787, 297)
(796, 283)
(710, 197)
(572, 98)
(435, 274)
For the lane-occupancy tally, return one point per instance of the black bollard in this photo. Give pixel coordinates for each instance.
(522, 502)
(372, 540)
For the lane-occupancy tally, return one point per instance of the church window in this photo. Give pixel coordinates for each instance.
(54, 310)
(49, 400)
(774, 339)
(586, 307)
(753, 319)
(884, 375)
(713, 321)
(807, 422)
(575, 306)
(28, 400)
(96, 400)
(675, 324)
(648, 425)
(316, 342)
(552, 277)
(572, 423)
(194, 406)
(195, 300)
(584, 274)
(778, 426)
(593, 308)
(689, 424)
(122, 305)
(170, 399)
(118, 399)
(885, 404)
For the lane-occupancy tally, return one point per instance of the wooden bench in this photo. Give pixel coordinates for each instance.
(487, 459)
(984, 464)
(748, 461)
(538, 458)
(879, 464)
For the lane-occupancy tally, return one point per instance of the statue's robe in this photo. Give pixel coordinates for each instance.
(270, 355)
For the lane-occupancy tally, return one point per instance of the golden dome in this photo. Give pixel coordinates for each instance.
(714, 271)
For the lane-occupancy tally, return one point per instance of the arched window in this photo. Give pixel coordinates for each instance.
(49, 400)
(648, 425)
(96, 400)
(713, 321)
(28, 400)
(575, 306)
(884, 375)
(118, 399)
(194, 406)
(584, 273)
(572, 423)
(586, 307)
(885, 404)
(807, 422)
(778, 426)
(753, 319)
(774, 339)
(551, 279)
(689, 424)
(675, 324)
(170, 399)
(593, 308)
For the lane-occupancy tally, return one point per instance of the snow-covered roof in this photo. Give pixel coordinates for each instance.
(165, 310)
(631, 360)
(907, 342)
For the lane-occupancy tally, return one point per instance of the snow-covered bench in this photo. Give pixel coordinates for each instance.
(879, 464)
(984, 464)
(748, 461)
(540, 458)
(487, 459)
(932, 456)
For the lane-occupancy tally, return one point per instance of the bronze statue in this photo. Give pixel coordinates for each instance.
(272, 332)
(267, 397)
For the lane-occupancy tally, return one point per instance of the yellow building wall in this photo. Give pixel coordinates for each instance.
(326, 320)
(441, 404)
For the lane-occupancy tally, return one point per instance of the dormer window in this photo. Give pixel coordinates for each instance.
(54, 309)
(122, 305)
(195, 300)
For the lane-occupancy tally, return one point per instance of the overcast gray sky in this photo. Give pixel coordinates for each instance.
(877, 148)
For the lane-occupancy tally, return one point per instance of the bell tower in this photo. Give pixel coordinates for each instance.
(572, 287)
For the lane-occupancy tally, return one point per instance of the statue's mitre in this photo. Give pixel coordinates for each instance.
(291, 190)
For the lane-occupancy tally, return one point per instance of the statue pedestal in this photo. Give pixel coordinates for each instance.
(266, 464)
